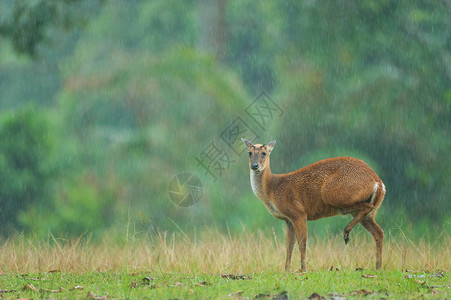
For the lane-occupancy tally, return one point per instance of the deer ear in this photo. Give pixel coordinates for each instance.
(270, 145)
(248, 144)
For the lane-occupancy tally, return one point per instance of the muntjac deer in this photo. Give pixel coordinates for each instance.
(342, 185)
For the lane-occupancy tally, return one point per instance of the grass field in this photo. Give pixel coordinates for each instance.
(221, 266)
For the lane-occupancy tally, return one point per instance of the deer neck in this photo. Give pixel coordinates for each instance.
(259, 182)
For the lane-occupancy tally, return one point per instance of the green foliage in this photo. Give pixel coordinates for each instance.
(26, 166)
(132, 130)
(165, 23)
(30, 21)
(253, 42)
(81, 207)
(356, 88)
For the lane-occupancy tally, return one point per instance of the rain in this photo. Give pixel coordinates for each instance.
(122, 118)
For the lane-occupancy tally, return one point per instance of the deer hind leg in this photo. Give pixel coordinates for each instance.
(378, 235)
(370, 224)
(291, 239)
(363, 210)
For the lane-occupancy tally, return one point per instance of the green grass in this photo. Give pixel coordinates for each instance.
(349, 284)
(183, 268)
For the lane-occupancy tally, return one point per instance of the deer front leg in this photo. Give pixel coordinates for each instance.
(300, 229)
(291, 239)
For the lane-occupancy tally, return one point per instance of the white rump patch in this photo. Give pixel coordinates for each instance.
(376, 186)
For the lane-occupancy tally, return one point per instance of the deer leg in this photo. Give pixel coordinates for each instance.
(364, 210)
(378, 234)
(300, 229)
(291, 239)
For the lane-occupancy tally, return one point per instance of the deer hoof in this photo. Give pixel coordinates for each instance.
(346, 238)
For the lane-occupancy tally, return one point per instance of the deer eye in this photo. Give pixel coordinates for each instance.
(263, 153)
(250, 153)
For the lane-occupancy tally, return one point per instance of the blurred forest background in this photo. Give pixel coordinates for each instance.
(102, 103)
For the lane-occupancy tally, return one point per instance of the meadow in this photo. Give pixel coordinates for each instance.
(216, 265)
(104, 104)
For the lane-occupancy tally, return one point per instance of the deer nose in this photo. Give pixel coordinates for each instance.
(254, 166)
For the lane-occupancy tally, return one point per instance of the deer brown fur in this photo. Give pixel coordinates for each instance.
(341, 185)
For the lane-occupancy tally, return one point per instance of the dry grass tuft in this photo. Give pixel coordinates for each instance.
(215, 253)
